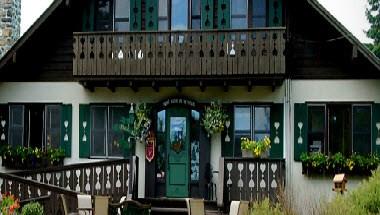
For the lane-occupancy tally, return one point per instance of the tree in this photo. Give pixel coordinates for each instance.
(373, 16)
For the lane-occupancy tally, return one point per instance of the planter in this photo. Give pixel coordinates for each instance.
(246, 154)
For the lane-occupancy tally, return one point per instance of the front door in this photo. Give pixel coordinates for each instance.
(177, 144)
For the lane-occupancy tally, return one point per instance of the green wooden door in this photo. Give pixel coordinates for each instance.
(177, 140)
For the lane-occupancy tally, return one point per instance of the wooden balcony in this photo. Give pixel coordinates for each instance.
(179, 54)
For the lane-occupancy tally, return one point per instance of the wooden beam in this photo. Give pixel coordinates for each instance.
(225, 86)
(250, 85)
(178, 86)
(133, 87)
(111, 87)
(202, 86)
(155, 86)
(14, 57)
(67, 2)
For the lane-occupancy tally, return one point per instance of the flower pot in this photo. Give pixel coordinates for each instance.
(247, 154)
(265, 154)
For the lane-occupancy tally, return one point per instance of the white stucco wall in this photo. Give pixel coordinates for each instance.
(75, 94)
(307, 193)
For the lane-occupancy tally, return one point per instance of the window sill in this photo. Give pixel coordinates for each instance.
(101, 157)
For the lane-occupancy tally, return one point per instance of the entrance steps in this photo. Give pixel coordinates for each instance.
(162, 206)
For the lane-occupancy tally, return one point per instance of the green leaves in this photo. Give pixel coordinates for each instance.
(373, 16)
(214, 118)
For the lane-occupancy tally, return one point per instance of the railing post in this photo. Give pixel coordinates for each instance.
(220, 185)
(133, 177)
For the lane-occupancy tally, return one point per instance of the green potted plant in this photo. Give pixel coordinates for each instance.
(214, 118)
(336, 163)
(32, 208)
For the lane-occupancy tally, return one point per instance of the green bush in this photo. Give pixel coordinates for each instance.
(363, 200)
(265, 207)
(33, 208)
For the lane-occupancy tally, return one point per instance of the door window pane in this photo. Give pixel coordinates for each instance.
(362, 129)
(163, 15)
(16, 125)
(114, 137)
(161, 147)
(316, 126)
(122, 8)
(195, 146)
(104, 15)
(340, 133)
(259, 13)
(179, 15)
(239, 12)
(99, 118)
(242, 118)
(53, 125)
(196, 14)
(262, 119)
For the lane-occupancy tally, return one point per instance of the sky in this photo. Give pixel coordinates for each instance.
(351, 13)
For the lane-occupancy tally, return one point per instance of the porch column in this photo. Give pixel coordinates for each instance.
(215, 154)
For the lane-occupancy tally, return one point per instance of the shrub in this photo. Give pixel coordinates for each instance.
(265, 207)
(363, 200)
(33, 208)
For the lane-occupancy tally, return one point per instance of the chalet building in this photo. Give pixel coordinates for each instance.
(283, 69)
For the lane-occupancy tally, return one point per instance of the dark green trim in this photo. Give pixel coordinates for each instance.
(84, 143)
(88, 19)
(224, 14)
(300, 134)
(375, 130)
(135, 15)
(207, 14)
(66, 132)
(151, 15)
(275, 13)
(4, 117)
(228, 147)
(277, 131)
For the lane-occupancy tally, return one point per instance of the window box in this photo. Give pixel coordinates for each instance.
(319, 164)
(28, 158)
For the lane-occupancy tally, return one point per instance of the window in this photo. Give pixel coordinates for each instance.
(104, 137)
(16, 125)
(239, 14)
(112, 15)
(259, 18)
(252, 121)
(179, 14)
(35, 125)
(344, 128)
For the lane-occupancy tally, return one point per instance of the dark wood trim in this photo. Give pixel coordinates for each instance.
(155, 86)
(133, 86)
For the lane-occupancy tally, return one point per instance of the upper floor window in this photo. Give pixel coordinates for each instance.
(182, 15)
(248, 13)
(112, 15)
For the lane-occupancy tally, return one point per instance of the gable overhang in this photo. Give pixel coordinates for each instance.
(345, 33)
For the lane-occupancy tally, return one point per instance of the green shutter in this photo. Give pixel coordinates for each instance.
(300, 130)
(277, 131)
(4, 122)
(66, 128)
(88, 17)
(376, 129)
(228, 146)
(207, 14)
(224, 17)
(151, 15)
(84, 131)
(275, 13)
(135, 19)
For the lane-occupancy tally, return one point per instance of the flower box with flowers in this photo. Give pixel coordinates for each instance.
(256, 149)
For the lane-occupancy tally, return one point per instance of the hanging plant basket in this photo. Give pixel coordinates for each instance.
(214, 119)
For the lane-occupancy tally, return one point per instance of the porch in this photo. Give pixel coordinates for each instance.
(242, 179)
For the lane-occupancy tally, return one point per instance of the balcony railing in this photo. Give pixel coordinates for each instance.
(250, 179)
(253, 52)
